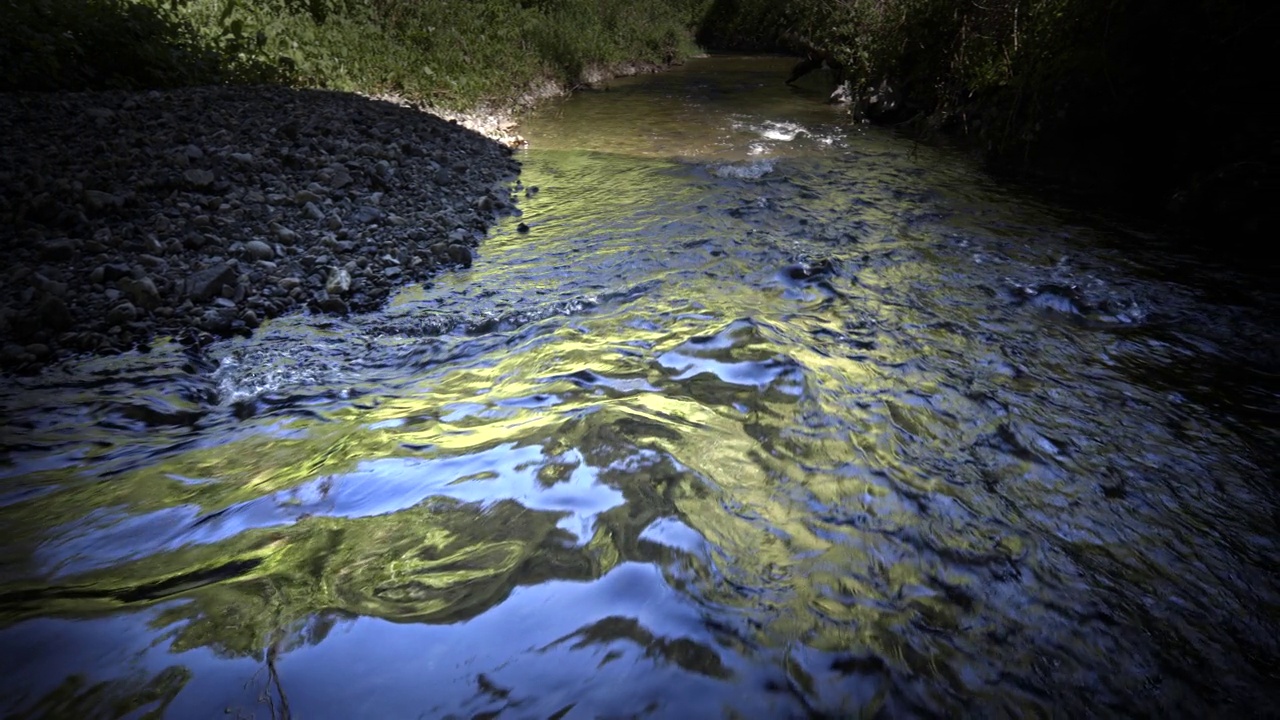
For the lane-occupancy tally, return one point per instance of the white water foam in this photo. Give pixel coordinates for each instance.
(784, 131)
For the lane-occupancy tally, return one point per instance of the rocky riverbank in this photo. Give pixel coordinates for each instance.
(198, 213)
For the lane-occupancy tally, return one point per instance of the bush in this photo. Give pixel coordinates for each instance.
(1148, 96)
(458, 53)
(105, 44)
(451, 53)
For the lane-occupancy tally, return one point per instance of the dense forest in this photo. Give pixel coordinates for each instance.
(1149, 103)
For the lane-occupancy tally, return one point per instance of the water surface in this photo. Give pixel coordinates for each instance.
(767, 415)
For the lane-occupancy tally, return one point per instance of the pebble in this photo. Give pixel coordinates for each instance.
(312, 211)
(259, 250)
(198, 177)
(122, 313)
(460, 254)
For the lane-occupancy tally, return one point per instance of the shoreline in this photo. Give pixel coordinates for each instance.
(198, 213)
(499, 121)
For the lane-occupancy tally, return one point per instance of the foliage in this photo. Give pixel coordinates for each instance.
(1125, 88)
(105, 44)
(453, 53)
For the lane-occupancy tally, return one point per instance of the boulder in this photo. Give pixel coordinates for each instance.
(208, 283)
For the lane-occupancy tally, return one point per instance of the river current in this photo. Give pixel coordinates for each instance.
(768, 415)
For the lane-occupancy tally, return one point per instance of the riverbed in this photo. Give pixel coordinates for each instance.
(751, 412)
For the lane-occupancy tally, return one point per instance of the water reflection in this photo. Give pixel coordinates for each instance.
(765, 417)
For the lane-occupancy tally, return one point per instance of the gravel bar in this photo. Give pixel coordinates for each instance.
(200, 212)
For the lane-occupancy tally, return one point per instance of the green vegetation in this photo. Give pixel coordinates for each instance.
(450, 53)
(110, 44)
(1150, 100)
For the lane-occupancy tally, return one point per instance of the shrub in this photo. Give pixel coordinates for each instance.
(103, 44)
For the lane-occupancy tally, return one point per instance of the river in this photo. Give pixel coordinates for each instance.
(766, 415)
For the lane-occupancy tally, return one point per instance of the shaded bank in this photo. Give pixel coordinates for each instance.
(1151, 105)
(200, 212)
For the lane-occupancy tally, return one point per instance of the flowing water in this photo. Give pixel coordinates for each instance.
(767, 415)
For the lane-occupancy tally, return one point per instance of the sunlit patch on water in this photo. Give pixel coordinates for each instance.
(834, 429)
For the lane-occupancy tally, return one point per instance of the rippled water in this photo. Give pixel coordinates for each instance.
(767, 416)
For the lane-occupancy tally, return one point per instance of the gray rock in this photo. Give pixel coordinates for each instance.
(97, 199)
(312, 211)
(58, 250)
(113, 271)
(365, 215)
(217, 320)
(142, 291)
(209, 282)
(54, 314)
(199, 177)
(259, 250)
(302, 197)
(52, 287)
(339, 281)
(123, 313)
(154, 262)
(13, 353)
(460, 254)
(284, 234)
(334, 305)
